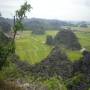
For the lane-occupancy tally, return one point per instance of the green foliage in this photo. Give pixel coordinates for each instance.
(18, 25)
(84, 38)
(9, 71)
(75, 80)
(3, 56)
(49, 40)
(20, 15)
(73, 55)
(55, 84)
(4, 50)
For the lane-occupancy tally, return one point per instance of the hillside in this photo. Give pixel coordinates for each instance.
(46, 24)
(35, 23)
(5, 24)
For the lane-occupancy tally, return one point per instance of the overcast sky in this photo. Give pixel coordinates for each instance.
(50, 9)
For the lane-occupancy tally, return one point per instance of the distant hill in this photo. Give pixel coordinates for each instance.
(46, 24)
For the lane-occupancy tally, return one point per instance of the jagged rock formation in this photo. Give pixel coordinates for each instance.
(83, 65)
(68, 39)
(56, 63)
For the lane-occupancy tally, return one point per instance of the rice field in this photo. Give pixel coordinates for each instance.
(32, 48)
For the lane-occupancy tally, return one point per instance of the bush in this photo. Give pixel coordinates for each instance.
(49, 40)
(4, 41)
(55, 84)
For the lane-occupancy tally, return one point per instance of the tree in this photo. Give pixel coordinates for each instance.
(18, 24)
(50, 40)
(9, 48)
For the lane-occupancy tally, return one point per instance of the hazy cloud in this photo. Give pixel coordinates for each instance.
(52, 9)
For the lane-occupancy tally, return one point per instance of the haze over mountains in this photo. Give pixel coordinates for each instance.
(42, 24)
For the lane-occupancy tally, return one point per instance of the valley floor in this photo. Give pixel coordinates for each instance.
(32, 48)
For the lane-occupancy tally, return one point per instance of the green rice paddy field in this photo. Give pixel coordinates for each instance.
(32, 48)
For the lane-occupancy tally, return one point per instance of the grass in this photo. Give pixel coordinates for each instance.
(55, 84)
(74, 55)
(32, 48)
(84, 38)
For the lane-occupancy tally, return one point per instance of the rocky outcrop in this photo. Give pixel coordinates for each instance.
(22, 66)
(67, 39)
(81, 67)
(56, 63)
